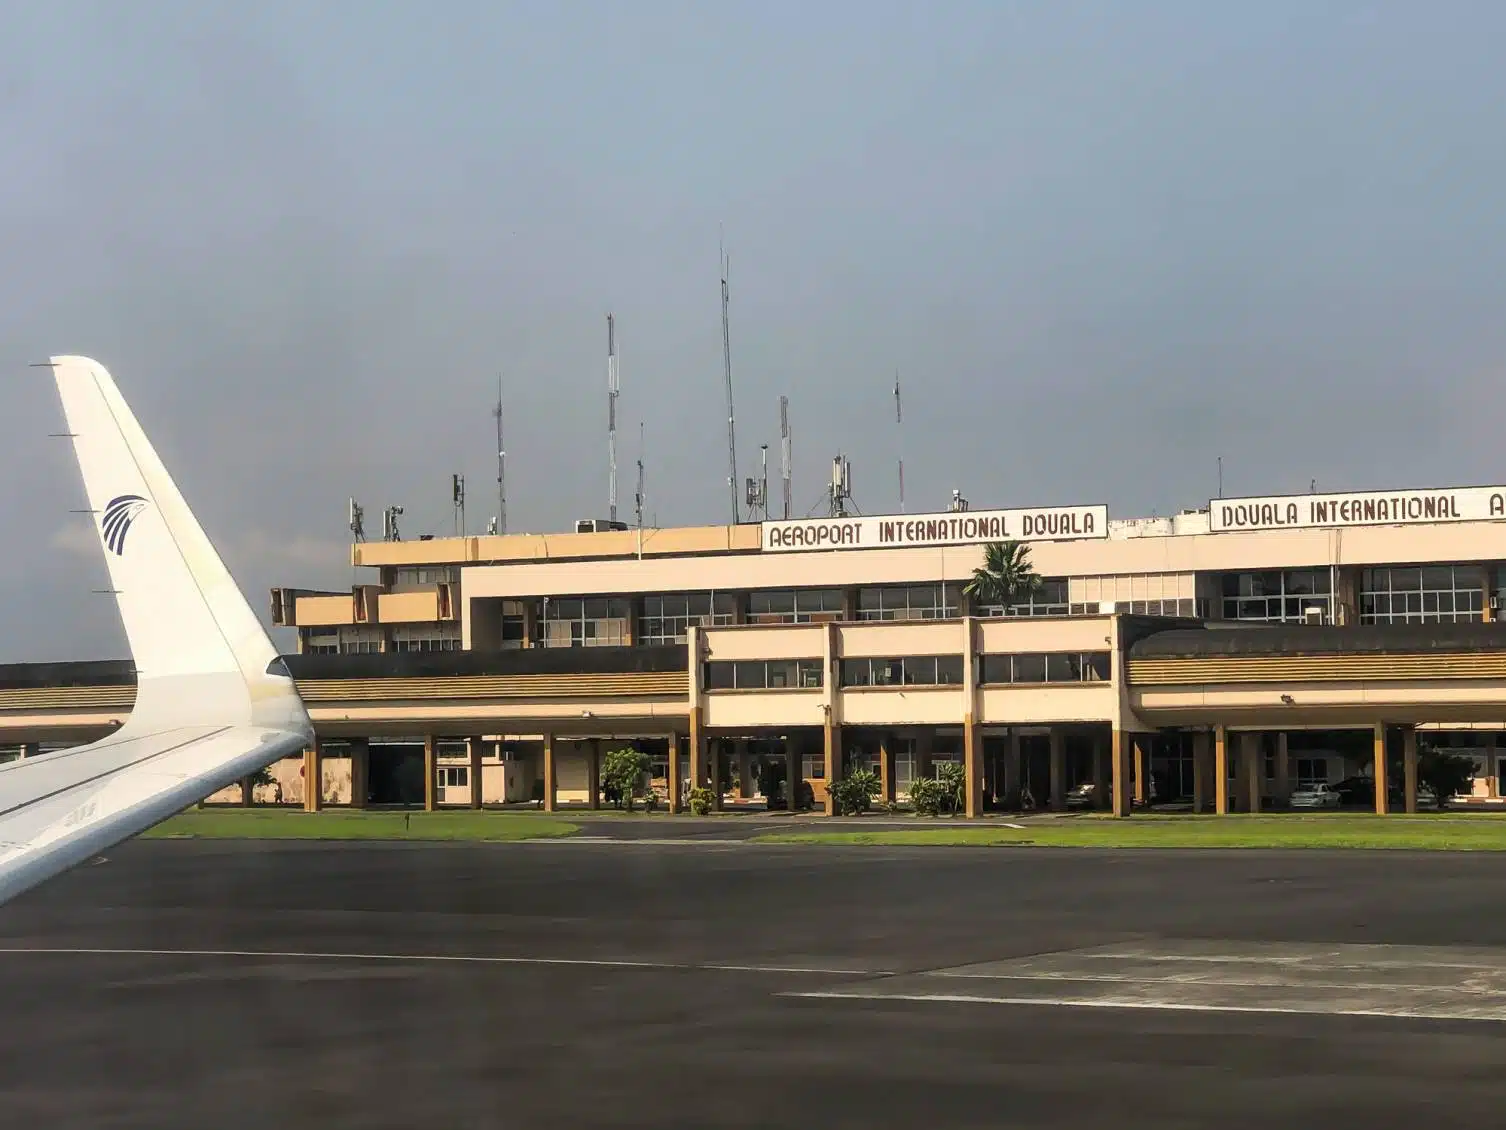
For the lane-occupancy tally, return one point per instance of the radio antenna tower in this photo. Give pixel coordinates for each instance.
(840, 492)
(727, 364)
(784, 451)
(501, 527)
(613, 387)
(899, 420)
(457, 499)
(639, 497)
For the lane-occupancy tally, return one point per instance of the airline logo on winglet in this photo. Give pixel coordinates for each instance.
(119, 515)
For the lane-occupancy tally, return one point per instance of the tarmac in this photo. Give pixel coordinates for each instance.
(723, 984)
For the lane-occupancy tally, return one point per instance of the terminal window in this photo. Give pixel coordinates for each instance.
(1050, 599)
(1421, 594)
(909, 671)
(1277, 595)
(910, 602)
(667, 618)
(1048, 667)
(764, 675)
(794, 606)
(586, 622)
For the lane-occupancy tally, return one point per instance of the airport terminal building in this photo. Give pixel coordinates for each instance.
(1219, 658)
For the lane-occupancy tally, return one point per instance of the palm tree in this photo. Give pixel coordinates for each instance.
(1005, 577)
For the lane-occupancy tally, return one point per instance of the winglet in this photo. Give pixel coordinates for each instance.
(201, 654)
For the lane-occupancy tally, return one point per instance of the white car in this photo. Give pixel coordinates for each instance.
(1315, 796)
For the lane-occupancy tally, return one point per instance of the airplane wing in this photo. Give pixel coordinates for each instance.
(214, 701)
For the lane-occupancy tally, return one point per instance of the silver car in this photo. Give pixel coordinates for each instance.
(1315, 796)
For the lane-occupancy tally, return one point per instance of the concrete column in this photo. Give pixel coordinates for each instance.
(924, 743)
(1382, 801)
(431, 773)
(831, 739)
(1058, 769)
(313, 778)
(593, 772)
(744, 770)
(1283, 768)
(1202, 755)
(1101, 774)
(1221, 770)
(1255, 766)
(550, 777)
(1142, 769)
(672, 780)
(1409, 768)
(972, 766)
(794, 775)
(477, 747)
(715, 752)
(1121, 774)
(1487, 590)
(1012, 766)
(886, 767)
(697, 750)
(360, 771)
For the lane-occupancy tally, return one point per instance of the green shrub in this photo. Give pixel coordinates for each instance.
(950, 776)
(622, 775)
(853, 794)
(926, 796)
(701, 800)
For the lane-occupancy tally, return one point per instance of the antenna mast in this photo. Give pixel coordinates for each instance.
(841, 486)
(899, 420)
(727, 363)
(784, 450)
(613, 387)
(501, 464)
(639, 498)
(457, 498)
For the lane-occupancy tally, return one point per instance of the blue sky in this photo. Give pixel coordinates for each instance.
(1103, 244)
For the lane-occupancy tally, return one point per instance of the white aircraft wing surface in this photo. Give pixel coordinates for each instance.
(214, 701)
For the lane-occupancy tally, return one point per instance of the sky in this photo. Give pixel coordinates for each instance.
(1103, 245)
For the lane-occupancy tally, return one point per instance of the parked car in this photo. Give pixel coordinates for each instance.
(1084, 795)
(1316, 796)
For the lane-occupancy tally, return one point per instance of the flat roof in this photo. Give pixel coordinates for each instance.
(1223, 639)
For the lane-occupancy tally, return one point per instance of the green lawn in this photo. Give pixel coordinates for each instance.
(272, 823)
(1440, 831)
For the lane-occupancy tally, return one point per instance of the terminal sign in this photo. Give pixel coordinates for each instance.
(900, 531)
(1371, 508)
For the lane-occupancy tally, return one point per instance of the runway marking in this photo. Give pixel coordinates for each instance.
(1408, 982)
(441, 958)
(1149, 1006)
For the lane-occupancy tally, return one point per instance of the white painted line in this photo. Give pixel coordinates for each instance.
(435, 958)
(1067, 1002)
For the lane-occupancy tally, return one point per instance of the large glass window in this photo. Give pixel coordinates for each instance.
(909, 602)
(352, 639)
(426, 637)
(1048, 600)
(586, 622)
(1277, 596)
(667, 618)
(1421, 594)
(1047, 667)
(413, 575)
(764, 675)
(911, 671)
(794, 606)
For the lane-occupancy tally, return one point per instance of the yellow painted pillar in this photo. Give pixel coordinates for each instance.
(886, 767)
(1221, 770)
(549, 773)
(1121, 773)
(431, 773)
(360, 771)
(475, 772)
(831, 734)
(672, 782)
(1254, 744)
(1409, 768)
(313, 779)
(1382, 786)
(1283, 768)
(972, 766)
(1058, 769)
(697, 750)
(1142, 769)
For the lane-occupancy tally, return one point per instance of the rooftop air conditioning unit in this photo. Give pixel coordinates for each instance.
(597, 525)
